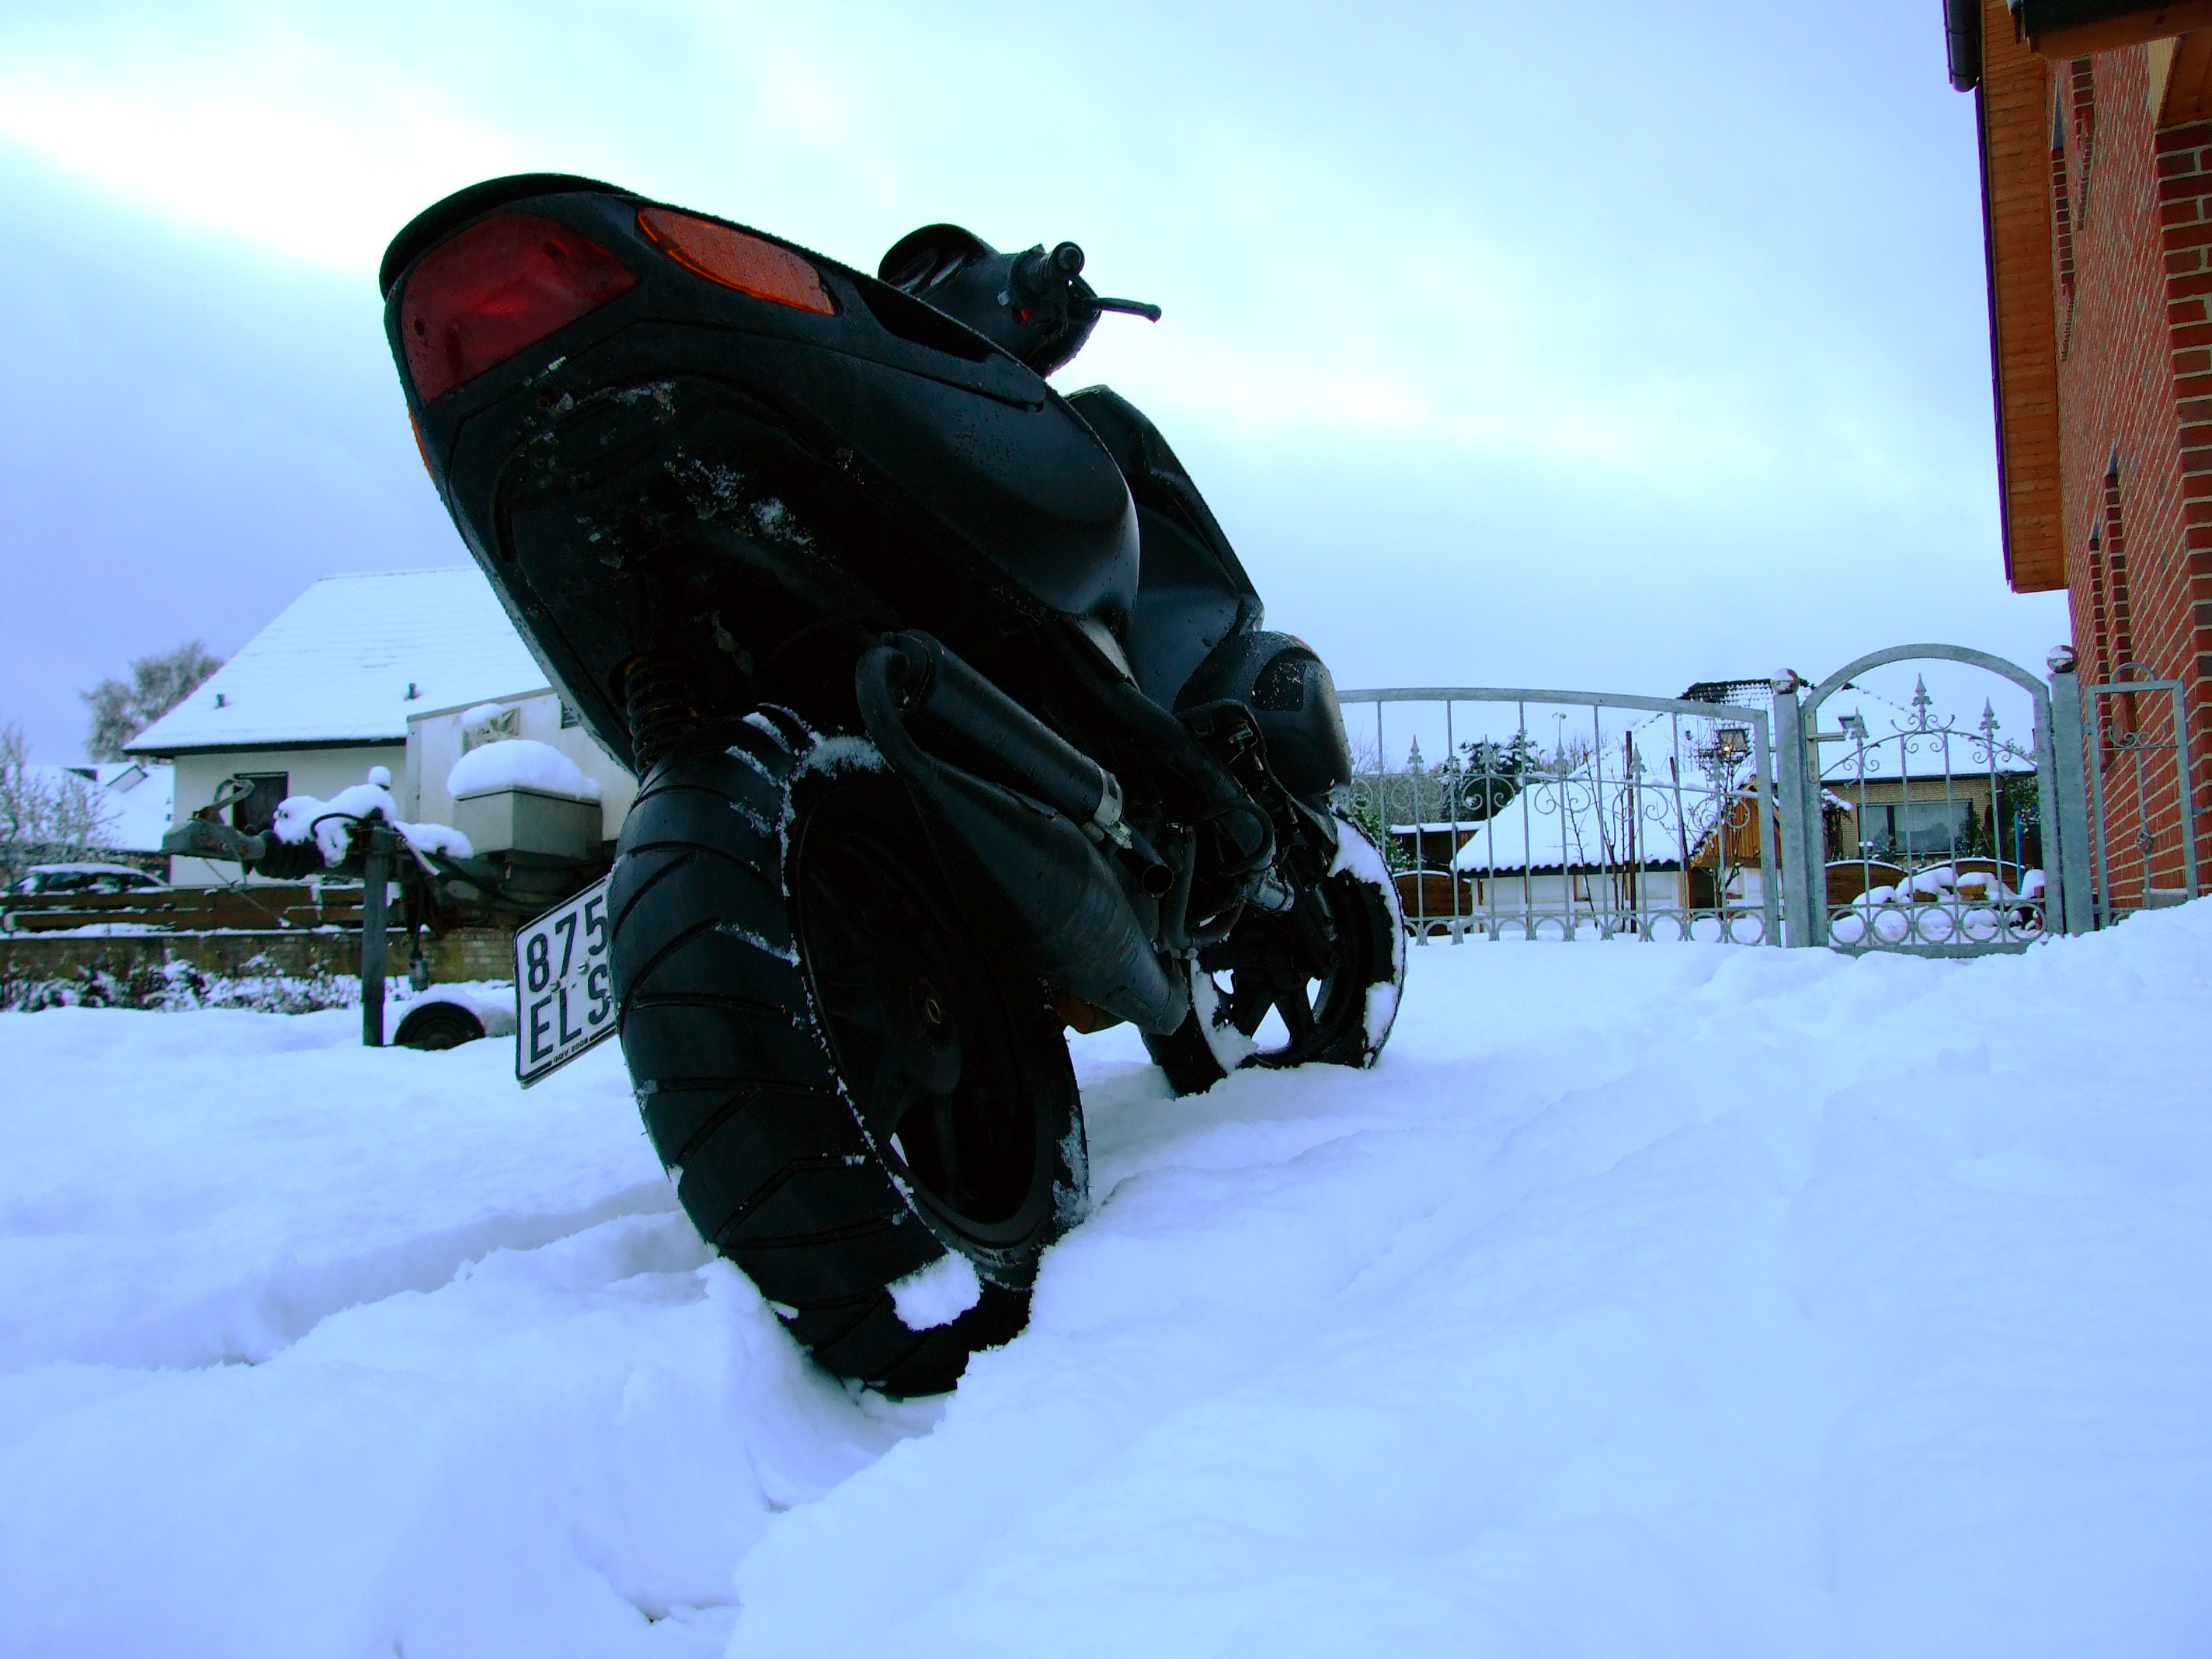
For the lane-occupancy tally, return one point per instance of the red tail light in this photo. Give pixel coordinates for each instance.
(507, 283)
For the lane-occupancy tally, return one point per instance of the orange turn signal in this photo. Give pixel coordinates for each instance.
(736, 260)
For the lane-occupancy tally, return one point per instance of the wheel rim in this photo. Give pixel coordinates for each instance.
(438, 1026)
(915, 1024)
(1287, 983)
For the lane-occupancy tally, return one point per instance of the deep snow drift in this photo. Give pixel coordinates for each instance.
(1672, 1299)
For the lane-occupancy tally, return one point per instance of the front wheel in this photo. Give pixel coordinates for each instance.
(1319, 982)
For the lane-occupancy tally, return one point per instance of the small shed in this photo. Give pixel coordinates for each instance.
(439, 737)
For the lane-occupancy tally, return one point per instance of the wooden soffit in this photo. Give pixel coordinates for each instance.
(2181, 79)
(2013, 111)
(2060, 29)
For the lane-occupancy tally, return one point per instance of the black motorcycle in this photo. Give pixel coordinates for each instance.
(955, 722)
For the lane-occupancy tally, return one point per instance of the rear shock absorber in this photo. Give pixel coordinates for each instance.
(663, 706)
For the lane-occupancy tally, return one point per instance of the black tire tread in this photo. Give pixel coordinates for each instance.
(735, 1082)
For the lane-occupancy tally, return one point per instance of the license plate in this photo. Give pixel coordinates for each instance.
(563, 985)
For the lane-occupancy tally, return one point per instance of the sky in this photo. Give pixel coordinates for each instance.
(1607, 355)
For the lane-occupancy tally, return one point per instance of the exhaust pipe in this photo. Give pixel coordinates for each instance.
(1071, 922)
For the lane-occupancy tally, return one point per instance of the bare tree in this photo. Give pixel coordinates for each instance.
(48, 815)
(121, 710)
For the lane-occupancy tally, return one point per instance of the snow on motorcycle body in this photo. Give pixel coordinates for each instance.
(739, 499)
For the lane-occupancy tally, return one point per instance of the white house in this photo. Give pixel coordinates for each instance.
(133, 798)
(1569, 856)
(338, 684)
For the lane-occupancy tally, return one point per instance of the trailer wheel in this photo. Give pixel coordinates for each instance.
(1319, 983)
(436, 1025)
(849, 1081)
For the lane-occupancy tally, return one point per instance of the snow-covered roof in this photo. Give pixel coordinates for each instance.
(1541, 839)
(134, 799)
(142, 797)
(337, 665)
(1925, 759)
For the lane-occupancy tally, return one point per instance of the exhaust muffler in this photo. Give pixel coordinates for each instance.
(1036, 849)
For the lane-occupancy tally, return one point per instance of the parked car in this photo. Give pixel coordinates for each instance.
(89, 878)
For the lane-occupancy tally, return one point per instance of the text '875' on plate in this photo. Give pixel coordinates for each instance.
(563, 984)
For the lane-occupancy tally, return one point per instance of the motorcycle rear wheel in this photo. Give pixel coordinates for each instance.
(849, 1080)
(1318, 984)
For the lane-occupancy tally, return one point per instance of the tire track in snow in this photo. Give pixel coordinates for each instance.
(264, 1311)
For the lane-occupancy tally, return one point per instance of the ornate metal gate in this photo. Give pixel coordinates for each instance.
(1929, 837)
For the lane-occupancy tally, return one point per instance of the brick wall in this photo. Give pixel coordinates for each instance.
(2134, 280)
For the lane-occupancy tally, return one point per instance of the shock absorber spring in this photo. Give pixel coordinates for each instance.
(663, 706)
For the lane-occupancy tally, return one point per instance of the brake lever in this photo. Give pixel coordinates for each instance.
(1143, 308)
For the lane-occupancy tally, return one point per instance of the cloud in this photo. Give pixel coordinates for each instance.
(1657, 310)
(269, 133)
(1314, 279)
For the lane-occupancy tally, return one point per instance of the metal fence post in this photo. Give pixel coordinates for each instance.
(1799, 927)
(2059, 774)
(376, 877)
(1770, 854)
(2184, 788)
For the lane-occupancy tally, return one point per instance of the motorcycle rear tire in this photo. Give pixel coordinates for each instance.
(1335, 1004)
(783, 940)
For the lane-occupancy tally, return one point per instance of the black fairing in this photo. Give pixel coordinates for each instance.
(1293, 701)
(735, 496)
(1194, 593)
(696, 472)
(1196, 637)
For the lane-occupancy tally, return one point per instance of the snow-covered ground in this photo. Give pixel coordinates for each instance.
(1645, 1299)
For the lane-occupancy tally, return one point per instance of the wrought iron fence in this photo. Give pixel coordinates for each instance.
(2142, 794)
(1546, 814)
(1571, 815)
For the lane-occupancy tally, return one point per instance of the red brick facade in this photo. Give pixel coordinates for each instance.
(2130, 279)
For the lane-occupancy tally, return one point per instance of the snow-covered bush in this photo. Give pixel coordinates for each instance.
(177, 988)
(47, 815)
(330, 824)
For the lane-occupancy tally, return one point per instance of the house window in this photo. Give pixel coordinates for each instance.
(252, 812)
(1913, 829)
(2082, 87)
(2100, 656)
(2116, 567)
(2061, 223)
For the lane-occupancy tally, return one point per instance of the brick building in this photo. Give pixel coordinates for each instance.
(2095, 125)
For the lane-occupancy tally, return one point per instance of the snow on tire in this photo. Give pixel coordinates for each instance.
(1319, 983)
